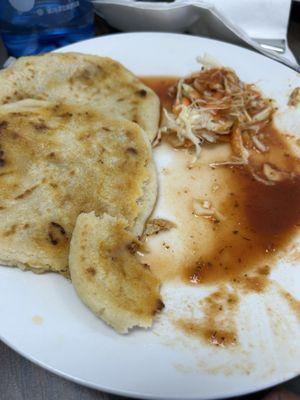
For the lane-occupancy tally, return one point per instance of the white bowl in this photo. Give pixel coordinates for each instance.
(130, 15)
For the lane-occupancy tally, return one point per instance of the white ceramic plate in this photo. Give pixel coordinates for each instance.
(42, 318)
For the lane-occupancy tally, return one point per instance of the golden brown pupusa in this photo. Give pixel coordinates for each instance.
(82, 79)
(57, 161)
(108, 277)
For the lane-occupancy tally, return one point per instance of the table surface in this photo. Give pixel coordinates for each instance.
(22, 380)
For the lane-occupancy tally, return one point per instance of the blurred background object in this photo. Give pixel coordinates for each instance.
(256, 24)
(37, 26)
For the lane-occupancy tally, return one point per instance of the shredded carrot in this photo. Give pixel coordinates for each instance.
(186, 101)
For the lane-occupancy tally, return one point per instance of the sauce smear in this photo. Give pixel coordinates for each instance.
(217, 327)
(162, 86)
(259, 222)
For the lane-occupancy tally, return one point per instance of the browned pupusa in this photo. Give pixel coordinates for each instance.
(57, 161)
(108, 277)
(82, 79)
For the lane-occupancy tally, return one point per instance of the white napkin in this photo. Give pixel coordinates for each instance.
(246, 21)
(258, 18)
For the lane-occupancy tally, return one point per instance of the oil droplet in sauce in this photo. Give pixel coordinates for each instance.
(257, 221)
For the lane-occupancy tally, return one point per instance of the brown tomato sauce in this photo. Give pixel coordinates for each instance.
(218, 326)
(261, 220)
(260, 223)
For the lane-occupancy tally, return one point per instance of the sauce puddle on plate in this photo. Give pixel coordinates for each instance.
(256, 221)
(253, 225)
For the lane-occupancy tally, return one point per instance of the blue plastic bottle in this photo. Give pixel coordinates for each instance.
(37, 26)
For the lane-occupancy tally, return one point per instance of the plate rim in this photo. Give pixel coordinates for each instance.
(188, 35)
(133, 394)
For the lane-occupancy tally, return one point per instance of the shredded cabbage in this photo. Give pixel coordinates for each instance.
(215, 102)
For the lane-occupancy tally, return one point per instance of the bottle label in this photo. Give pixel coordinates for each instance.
(22, 5)
(63, 7)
